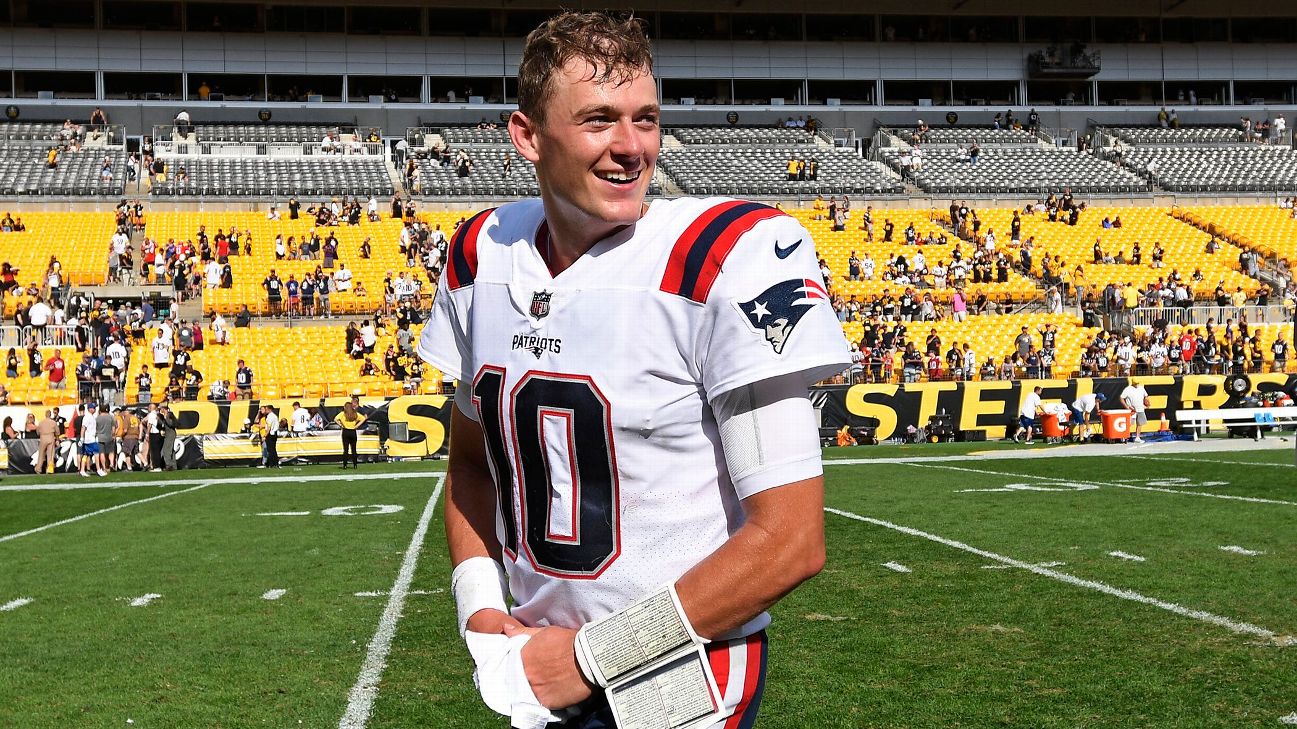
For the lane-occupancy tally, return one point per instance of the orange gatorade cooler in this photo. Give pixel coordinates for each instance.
(1052, 427)
(1116, 424)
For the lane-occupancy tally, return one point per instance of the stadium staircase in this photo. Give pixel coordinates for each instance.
(395, 175)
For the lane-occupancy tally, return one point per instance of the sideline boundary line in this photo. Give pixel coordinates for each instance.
(1101, 484)
(1233, 626)
(360, 701)
(1174, 459)
(70, 520)
(78, 485)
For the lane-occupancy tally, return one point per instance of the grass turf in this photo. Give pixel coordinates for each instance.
(948, 644)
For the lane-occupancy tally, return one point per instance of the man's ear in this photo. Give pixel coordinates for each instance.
(523, 131)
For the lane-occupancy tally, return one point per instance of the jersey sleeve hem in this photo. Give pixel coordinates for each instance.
(811, 371)
(779, 475)
(442, 363)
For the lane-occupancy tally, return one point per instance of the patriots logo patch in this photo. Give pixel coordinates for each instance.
(776, 311)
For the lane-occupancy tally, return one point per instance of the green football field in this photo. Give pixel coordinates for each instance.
(966, 586)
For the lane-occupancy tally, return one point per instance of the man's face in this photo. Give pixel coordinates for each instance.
(597, 148)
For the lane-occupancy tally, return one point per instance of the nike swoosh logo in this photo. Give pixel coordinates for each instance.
(783, 253)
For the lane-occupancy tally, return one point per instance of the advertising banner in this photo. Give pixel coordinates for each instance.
(992, 406)
(409, 426)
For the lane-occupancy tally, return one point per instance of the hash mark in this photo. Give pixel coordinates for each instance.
(1239, 550)
(15, 604)
(1127, 556)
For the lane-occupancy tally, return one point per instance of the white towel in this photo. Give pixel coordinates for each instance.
(502, 681)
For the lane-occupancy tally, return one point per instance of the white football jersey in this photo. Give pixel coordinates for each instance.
(593, 387)
(161, 351)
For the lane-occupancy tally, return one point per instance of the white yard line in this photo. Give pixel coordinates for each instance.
(360, 702)
(897, 567)
(1289, 720)
(274, 594)
(79, 485)
(15, 604)
(1127, 556)
(144, 600)
(385, 593)
(1108, 484)
(1171, 458)
(285, 513)
(1234, 626)
(70, 520)
(1240, 550)
(1090, 450)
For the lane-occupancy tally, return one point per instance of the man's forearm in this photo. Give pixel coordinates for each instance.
(470, 495)
(778, 548)
(470, 517)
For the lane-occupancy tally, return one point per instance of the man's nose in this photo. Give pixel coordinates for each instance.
(627, 139)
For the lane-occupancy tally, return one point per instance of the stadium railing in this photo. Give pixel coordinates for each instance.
(54, 336)
(1198, 316)
(170, 148)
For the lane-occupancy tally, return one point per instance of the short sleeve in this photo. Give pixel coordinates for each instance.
(444, 342)
(769, 313)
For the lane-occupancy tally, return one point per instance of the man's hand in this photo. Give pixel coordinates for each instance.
(549, 659)
(491, 622)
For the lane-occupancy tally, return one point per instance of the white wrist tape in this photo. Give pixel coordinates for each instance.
(634, 637)
(478, 583)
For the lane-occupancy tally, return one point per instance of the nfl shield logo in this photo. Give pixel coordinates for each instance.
(540, 304)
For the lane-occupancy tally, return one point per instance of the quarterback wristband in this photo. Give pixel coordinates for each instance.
(634, 637)
(478, 583)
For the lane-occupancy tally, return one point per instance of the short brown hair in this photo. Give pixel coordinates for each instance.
(614, 44)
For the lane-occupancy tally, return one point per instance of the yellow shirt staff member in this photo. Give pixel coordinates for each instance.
(350, 419)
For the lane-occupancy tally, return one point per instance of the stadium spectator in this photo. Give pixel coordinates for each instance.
(47, 431)
(274, 293)
(55, 369)
(243, 380)
(193, 380)
(220, 330)
(184, 127)
(39, 316)
(105, 432)
(270, 438)
(126, 430)
(299, 420)
(144, 384)
(1023, 343)
(87, 436)
(167, 425)
(350, 420)
(35, 360)
(151, 439)
(219, 391)
(180, 360)
(342, 278)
